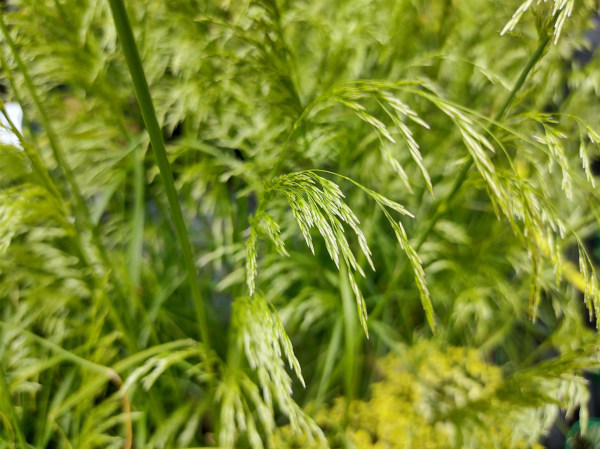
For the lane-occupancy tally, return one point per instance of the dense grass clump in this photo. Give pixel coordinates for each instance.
(272, 223)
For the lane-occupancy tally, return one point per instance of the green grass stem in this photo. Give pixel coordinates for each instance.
(142, 93)
(333, 349)
(350, 332)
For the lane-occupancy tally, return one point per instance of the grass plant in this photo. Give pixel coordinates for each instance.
(361, 223)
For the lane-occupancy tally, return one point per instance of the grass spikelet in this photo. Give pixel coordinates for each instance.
(348, 93)
(251, 260)
(329, 225)
(553, 140)
(418, 272)
(561, 11)
(585, 162)
(591, 294)
(262, 223)
(476, 143)
(413, 146)
(317, 202)
(265, 343)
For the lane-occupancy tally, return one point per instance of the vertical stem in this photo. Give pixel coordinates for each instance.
(350, 341)
(142, 93)
(333, 349)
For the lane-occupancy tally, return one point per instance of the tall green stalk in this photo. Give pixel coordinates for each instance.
(142, 93)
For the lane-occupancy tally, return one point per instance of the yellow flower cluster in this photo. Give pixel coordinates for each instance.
(420, 401)
(410, 406)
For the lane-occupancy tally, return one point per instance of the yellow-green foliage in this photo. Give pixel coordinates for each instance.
(398, 165)
(418, 403)
(409, 406)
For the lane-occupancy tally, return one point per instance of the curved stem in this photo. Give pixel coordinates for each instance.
(142, 93)
(443, 204)
(462, 176)
(288, 139)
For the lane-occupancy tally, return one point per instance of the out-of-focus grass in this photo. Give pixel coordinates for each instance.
(200, 264)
